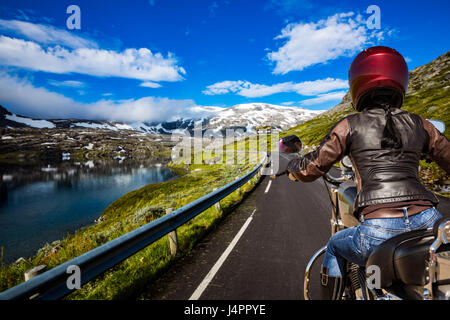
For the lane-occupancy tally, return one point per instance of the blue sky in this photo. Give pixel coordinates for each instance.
(159, 59)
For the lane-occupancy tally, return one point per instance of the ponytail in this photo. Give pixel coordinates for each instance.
(385, 98)
(391, 138)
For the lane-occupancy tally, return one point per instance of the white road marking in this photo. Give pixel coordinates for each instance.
(202, 286)
(268, 186)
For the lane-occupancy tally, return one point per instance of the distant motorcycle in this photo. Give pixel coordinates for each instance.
(414, 265)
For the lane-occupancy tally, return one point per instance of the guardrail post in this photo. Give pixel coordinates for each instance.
(173, 238)
(34, 272)
(217, 204)
(259, 174)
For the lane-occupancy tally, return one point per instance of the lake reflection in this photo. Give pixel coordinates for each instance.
(45, 204)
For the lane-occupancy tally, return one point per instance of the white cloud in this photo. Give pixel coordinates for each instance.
(149, 84)
(37, 102)
(22, 97)
(250, 90)
(143, 109)
(46, 34)
(139, 64)
(318, 42)
(46, 48)
(325, 97)
(224, 87)
(67, 83)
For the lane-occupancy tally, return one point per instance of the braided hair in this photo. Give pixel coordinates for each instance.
(385, 98)
(391, 138)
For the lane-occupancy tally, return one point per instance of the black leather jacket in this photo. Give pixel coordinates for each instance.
(381, 175)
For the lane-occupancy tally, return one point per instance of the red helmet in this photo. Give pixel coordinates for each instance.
(377, 67)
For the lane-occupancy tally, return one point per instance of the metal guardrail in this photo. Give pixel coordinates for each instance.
(52, 284)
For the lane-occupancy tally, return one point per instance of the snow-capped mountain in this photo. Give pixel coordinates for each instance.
(247, 117)
(11, 120)
(250, 116)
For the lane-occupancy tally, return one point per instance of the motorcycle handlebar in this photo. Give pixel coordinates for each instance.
(328, 177)
(336, 180)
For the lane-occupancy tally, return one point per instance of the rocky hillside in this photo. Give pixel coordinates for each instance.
(31, 147)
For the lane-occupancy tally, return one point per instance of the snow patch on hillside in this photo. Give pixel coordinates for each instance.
(30, 122)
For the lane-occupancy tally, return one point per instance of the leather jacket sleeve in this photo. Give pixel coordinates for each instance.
(316, 163)
(438, 146)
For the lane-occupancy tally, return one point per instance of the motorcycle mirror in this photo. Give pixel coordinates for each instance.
(438, 124)
(346, 162)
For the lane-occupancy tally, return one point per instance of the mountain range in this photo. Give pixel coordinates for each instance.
(246, 117)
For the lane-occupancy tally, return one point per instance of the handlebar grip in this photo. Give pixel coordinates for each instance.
(282, 173)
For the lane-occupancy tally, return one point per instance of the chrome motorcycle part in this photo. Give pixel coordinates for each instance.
(438, 264)
(346, 162)
(357, 281)
(306, 281)
(381, 294)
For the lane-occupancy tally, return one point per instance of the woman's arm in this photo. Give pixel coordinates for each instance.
(316, 163)
(438, 146)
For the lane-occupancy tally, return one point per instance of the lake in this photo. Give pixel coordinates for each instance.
(45, 204)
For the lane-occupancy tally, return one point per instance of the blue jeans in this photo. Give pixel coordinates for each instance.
(357, 243)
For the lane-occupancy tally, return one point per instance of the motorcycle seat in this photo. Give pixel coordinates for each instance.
(403, 258)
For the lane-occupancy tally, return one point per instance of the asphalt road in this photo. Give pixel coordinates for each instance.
(260, 251)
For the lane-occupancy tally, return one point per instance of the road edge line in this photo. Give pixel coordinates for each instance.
(268, 186)
(204, 284)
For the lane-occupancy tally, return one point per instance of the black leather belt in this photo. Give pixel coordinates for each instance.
(385, 213)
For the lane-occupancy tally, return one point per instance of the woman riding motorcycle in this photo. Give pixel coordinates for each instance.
(385, 145)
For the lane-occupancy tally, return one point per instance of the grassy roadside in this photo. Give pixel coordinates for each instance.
(129, 212)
